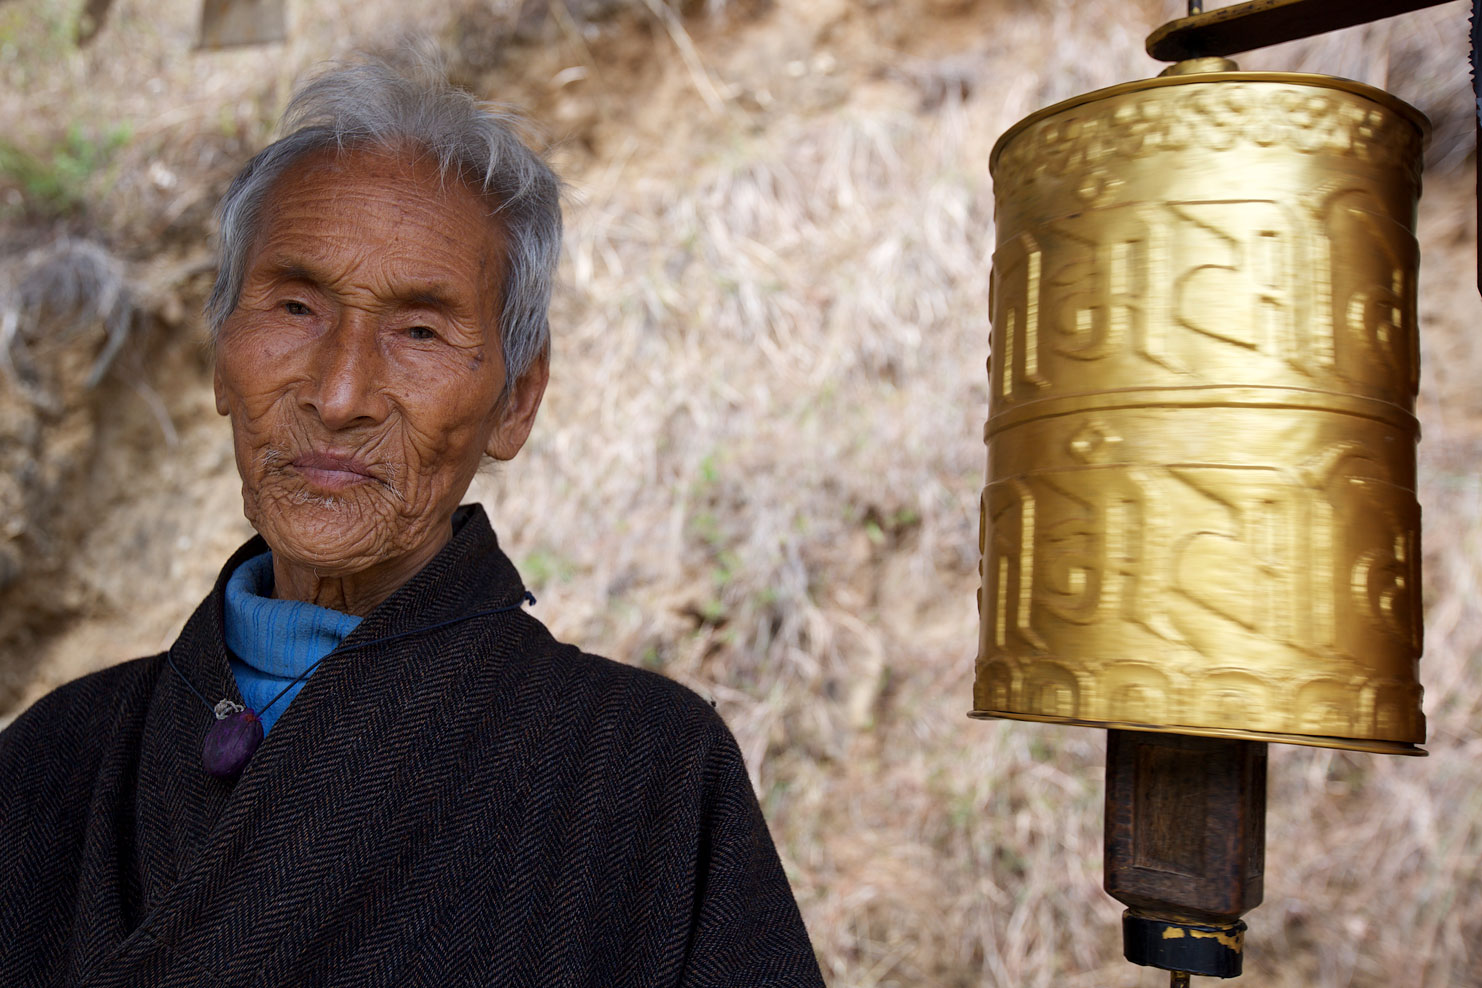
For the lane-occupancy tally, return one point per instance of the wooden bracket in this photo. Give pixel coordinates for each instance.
(1259, 23)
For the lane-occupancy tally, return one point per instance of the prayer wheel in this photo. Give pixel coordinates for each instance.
(1200, 516)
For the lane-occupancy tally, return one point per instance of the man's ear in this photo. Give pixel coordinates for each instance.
(219, 386)
(514, 425)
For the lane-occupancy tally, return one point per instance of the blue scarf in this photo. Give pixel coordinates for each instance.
(273, 641)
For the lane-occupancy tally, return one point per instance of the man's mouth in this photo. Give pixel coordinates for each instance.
(331, 471)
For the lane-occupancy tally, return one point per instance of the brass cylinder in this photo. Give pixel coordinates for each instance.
(1200, 514)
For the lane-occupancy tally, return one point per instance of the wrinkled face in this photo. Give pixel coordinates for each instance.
(362, 366)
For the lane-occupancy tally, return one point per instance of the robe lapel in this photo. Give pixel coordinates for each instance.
(236, 878)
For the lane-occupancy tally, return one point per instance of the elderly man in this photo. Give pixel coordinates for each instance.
(362, 762)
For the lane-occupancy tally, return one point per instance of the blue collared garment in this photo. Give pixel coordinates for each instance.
(273, 642)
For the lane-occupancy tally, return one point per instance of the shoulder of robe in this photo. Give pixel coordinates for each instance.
(661, 697)
(643, 699)
(69, 714)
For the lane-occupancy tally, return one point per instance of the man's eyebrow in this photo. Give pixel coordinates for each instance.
(283, 269)
(432, 296)
(440, 298)
(428, 297)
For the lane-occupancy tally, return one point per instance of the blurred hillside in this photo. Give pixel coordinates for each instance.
(757, 468)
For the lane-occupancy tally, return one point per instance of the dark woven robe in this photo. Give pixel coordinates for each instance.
(478, 805)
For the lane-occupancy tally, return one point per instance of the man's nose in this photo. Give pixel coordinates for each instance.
(346, 386)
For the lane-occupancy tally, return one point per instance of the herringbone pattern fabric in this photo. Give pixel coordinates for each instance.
(479, 805)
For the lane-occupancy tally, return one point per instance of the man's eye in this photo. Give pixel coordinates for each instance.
(294, 308)
(421, 333)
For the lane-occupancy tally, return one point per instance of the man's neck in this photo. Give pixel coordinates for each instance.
(356, 593)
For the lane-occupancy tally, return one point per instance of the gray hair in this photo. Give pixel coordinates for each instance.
(372, 103)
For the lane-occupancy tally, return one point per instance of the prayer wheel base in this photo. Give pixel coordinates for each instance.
(1373, 746)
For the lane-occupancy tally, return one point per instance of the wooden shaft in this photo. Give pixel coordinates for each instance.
(1185, 846)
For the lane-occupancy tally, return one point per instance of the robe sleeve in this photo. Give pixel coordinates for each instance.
(64, 788)
(748, 930)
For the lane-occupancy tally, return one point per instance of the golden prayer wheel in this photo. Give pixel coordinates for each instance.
(1200, 512)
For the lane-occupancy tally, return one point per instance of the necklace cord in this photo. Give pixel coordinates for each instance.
(526, 597)
(170, 658)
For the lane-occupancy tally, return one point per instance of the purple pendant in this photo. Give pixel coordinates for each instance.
(231, 743)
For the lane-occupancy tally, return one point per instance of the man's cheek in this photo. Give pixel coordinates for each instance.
(263, 409)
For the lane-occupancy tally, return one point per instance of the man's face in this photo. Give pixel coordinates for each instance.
(362, 367)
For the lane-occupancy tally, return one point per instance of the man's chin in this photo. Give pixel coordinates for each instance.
(334, 534)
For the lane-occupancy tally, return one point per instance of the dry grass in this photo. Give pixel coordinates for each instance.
(758, 464)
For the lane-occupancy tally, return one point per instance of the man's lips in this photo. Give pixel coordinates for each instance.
(331, 471)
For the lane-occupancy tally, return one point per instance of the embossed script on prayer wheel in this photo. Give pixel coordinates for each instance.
(1200, 514)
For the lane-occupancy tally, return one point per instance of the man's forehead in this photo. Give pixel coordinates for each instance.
(375, 201)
